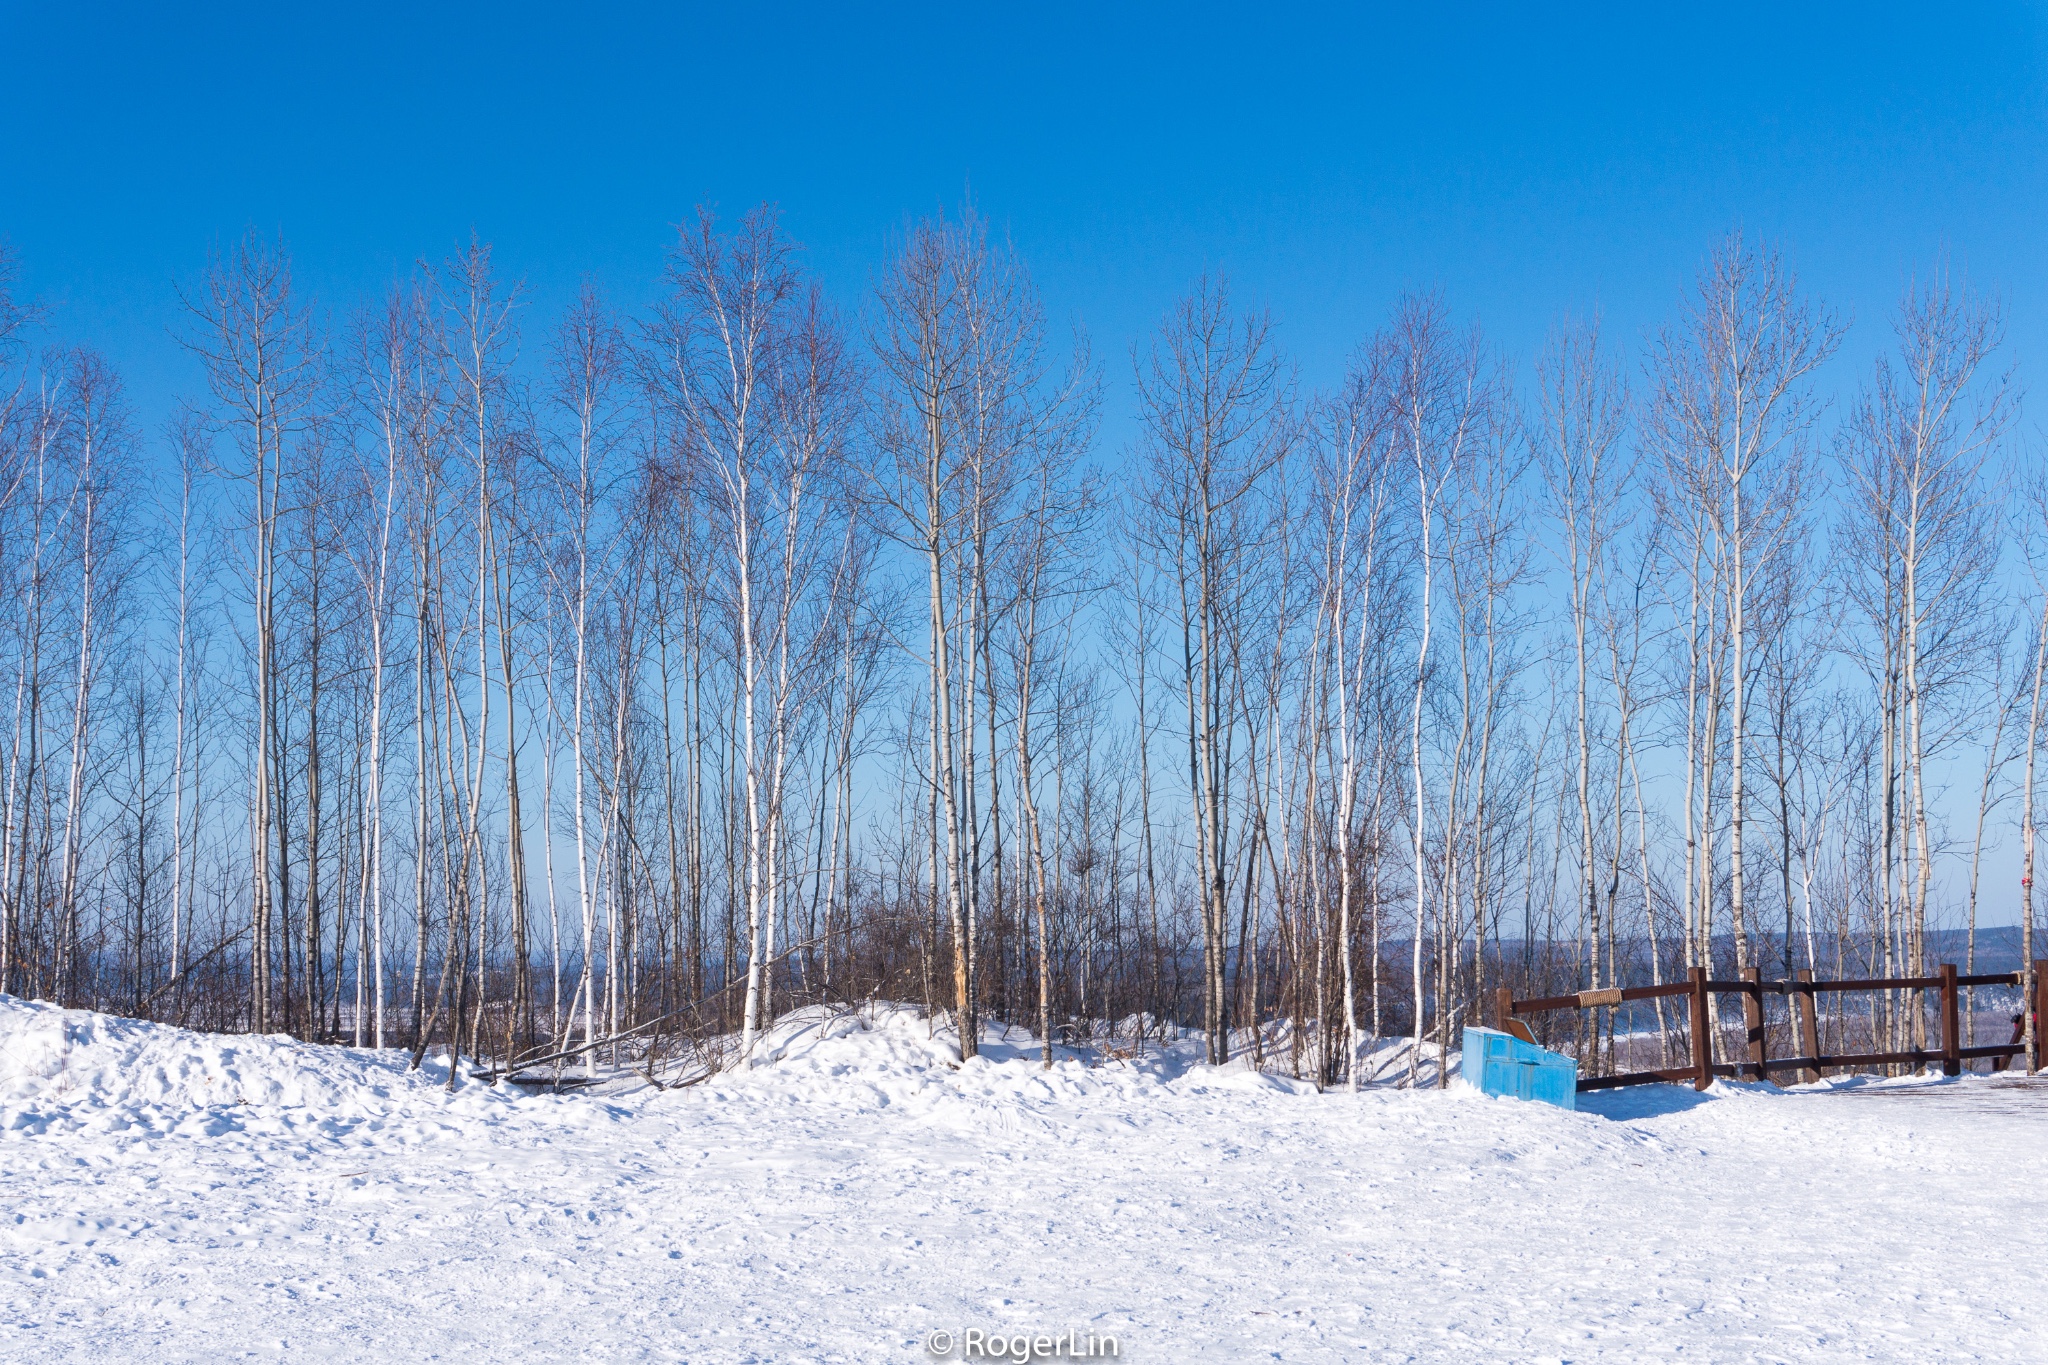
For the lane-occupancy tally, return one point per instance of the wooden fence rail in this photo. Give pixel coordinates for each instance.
(1802, 992)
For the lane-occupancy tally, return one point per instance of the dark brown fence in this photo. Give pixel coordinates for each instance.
(1802, 993)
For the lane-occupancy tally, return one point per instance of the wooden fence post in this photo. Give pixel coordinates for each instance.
(1809, 1026)
(1753, 1022)
(1951, 1024)
(1503, 1009)
(1702, 1040)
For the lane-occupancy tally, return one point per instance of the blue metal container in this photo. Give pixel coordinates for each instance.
(1502, 1064)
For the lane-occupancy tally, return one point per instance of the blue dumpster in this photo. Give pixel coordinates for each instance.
(1502, 1064)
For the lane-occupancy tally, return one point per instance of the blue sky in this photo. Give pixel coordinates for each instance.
(1526, 161)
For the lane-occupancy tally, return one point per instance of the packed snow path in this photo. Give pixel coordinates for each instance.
(167, 1196)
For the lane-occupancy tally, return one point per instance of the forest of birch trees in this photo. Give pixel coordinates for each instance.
(589, 687)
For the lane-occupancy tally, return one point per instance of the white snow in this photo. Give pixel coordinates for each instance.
(174, 1196)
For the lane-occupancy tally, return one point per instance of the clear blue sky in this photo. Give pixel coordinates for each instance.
(1528, 160)
(1524, 160)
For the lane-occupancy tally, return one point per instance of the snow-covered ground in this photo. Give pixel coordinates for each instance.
(170, 1196)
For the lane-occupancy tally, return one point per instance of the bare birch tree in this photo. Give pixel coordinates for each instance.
(1215, 402)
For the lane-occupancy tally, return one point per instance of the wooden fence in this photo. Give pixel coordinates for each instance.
(1802, 993)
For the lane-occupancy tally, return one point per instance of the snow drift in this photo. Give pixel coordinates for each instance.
(79, 1069)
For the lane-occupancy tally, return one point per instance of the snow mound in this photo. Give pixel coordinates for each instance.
(892, 1055)
(80, 1068)
(77, 1070)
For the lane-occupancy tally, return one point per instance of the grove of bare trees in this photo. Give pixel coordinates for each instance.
(583, 690)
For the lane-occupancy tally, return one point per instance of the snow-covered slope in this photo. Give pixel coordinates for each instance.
(854, 1190)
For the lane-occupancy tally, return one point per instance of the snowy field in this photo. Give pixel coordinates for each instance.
(167, 1196)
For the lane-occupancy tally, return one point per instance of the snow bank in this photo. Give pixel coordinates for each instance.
(885, 1055)
(79, 1069)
